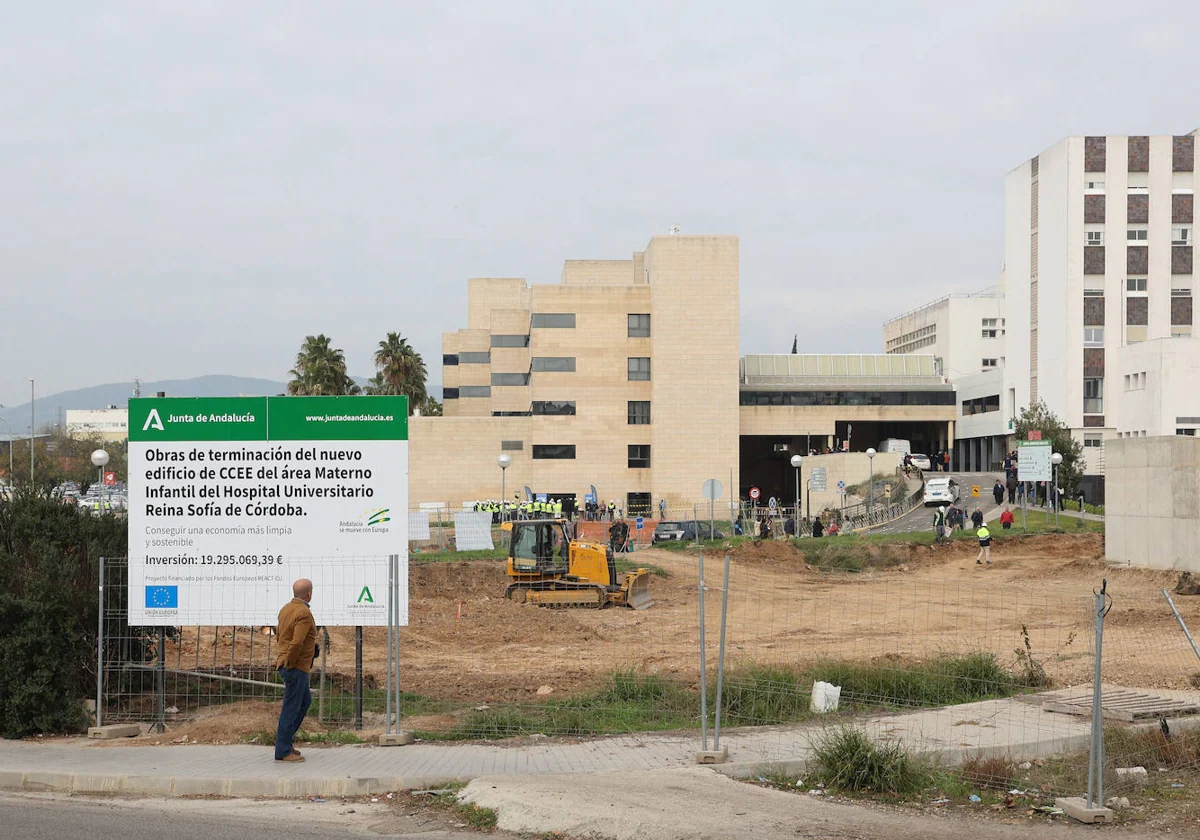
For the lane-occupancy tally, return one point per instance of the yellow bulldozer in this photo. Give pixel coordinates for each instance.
(548, 568)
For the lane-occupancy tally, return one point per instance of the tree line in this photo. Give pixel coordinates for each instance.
(320, 370)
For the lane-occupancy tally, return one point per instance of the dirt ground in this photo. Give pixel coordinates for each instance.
(466, 642)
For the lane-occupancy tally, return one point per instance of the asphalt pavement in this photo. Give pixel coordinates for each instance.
(55, 817)
(920, 518)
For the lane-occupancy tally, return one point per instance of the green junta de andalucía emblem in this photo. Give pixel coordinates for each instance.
(365, 595)
(378, 517)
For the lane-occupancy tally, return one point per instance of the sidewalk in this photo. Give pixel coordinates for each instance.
(1016, 727)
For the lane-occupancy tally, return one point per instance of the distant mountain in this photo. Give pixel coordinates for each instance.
(118, 393)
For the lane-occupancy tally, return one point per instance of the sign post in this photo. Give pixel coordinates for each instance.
(231, 499)
(712, 490)
(1033, 464)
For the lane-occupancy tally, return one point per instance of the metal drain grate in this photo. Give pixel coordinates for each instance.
(1122, 704)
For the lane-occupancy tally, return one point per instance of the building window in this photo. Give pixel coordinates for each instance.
(990, 333)
(554, 452)
(1188, 432)
(510, 341)
(1093, 395)
(981, 405)
(1181, 293)
(553, 407)
(1137, 234)
(639, 326)
(467, 391)
(991, 322)
(545, 320)
(1095, 237)
(1094, 186)
(639, 412)
(475, 358)
(449, 359)
(1181, 236)
(639, 456)
(510, 378)
(512, 445)
(1093, 336)
(637, 504)
(553, 364)
(844, 398)
(1093, 293)
(512, 413)
(1093, 442)
(449, 394)
(1135, 284)
(990, 363)
(639, 369)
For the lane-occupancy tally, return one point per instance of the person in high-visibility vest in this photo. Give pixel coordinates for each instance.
(985, 544)
(939, 524)
(558, 508)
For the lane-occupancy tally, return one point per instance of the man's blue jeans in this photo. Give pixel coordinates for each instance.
(296, 700)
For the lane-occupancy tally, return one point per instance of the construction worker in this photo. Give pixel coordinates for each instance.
(939, 524)
(985, 544)
(612, 510)
(558, 508)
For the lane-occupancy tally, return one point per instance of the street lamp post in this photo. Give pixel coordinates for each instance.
(503, 461)
(797, 460)
(99, 460)
(870, 485)
(10, 449)
(1055, 460)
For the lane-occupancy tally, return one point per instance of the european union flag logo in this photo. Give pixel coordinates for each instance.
(162, 597)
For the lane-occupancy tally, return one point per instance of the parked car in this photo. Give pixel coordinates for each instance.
(921, 462)
(684, 531)
(895, 446)
(941, 491)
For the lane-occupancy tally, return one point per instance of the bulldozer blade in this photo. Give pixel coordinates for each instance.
(638, 595)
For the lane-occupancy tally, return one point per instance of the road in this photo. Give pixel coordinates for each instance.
(921, 518)
(54, 817)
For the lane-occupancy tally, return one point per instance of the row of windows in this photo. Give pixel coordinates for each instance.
(1179, 236)
(804, 398)
(981, 405)
(1136, 284)
(638, 324)
(638, 367)
(638, 410)
(638, 453)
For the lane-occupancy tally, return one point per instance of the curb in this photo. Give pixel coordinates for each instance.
(242, 788)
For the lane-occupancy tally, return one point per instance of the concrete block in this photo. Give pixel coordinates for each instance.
(201, 787)
(396, 739)
(114, 730)
(252, 786)
(38, 781)
(713, 756)
(1076, 808)
(148, 785)
(97, 783)
(12, 779)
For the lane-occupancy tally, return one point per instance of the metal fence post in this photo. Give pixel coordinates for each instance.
(358, 678)
(1179, 618)
(324, 660)
(391, 606)
(721, 659)
(161, 687)
(703, 666)
(396, 626)
(1095, 792)
(99, 648)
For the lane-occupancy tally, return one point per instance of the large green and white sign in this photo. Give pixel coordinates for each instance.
(231, 499)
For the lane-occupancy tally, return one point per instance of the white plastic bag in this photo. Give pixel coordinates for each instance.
(825, 697)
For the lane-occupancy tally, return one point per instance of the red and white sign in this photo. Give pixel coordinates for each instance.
(1034, 434)
(755, 493)
(110, 478)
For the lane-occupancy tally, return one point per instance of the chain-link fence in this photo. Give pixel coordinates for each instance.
(991, 664)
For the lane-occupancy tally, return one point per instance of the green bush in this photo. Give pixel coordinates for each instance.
(48, 582)
(848, 759)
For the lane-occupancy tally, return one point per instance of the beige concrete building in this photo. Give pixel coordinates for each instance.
(626, 375)
(1153, 505)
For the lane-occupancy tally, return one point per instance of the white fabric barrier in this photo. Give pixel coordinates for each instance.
(418, 526)
(473, 531)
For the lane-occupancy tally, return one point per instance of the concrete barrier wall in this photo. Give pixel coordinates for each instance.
(1152, 504)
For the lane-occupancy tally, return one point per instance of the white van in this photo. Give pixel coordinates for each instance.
(896, 446)
(941, 491)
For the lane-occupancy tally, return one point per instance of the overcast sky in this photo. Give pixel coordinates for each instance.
(192, 187)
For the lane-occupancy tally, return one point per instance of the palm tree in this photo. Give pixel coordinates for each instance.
(320, 370)
(375, 385)
(401, 370)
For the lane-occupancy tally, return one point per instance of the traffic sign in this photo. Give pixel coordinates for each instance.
(755, 493)
(887, 489)
(1033, 460)
(773, 503)
(1034, 434)
(841, 487)
(110, 478)
(974, 489)
(817, 479)
(639, 523)
(713, 489)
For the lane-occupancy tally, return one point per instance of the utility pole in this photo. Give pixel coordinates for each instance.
(32, 429)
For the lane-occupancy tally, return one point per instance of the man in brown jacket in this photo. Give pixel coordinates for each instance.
(297, 649)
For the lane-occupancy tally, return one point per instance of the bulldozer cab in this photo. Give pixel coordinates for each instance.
(541, 546)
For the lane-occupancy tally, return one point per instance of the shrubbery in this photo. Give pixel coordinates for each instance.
(49, 554)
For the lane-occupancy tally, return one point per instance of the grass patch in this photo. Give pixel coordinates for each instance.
(447, 555)
(481, 819)
(624, 564)
(847, 759)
